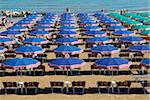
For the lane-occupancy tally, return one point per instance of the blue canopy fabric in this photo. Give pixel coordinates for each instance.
(67, 32)
(3, 40)
(29, 49)
(2, 49)
(94, 32)
(66, 39)
(35, 40)
(103, 48)
(68, 62)
(17, 28)
(98, 39)
(116, 27)
(21, 62)
(10, 33)
(139, 47)
(146, 61)
(106, 62)
(39, 32)
(131, 39)
(66, 27)
(91, 27)
(121, 32)
(67, 48)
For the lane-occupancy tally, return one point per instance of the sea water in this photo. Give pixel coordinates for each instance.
(59, 6)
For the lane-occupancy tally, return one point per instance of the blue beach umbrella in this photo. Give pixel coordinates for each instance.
(67, 63)
(67, 33)
(21, 63)
(132, 39)
(116, 27)
(7, 41)
(95, 32)
(112, 62)
(17, 28)
(140, 48)
(99, 40)
(2, 49)
(123, 32)
(67, 40)
(105, 49)
(36, 41)
(30, 49)
(67, 28)
(39, 32)
(92, 28)
(11, 33)
(146, 62)
(68, 49)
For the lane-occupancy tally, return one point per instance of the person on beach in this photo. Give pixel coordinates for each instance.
(68, 10)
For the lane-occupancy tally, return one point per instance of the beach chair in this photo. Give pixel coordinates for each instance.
(92, 55)
(40, 68)
(124, 55)
(42, 56)
(78, 84)
(27, 56)
(94, 68)
(124, 84)
(10, 85)
(113, 69)
(146, 86)
(59, 55)
(103, 84)
(56, 69)
(31, 85)
(75, 70)
(9, 54)
(57, 85)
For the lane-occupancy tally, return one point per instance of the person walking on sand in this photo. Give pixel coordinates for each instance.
(68, 10)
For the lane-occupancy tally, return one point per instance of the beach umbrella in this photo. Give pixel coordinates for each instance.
(99, 40)
(40, 33)
(36, 41)
(2, 49)
(95, 32)
(67, 40)
(67, 33)
(67, 63)
(67, 28)
(133, 23)
(105, 49)
(4, 40)
(118, 27)
(114, 23)
(146, 62)
(141, 27)
(92, 28)
(146, 32)
(17, 28)
(123, 33)
(112, 62)
(30, 49)
(140, 48)
(68, 49)
(21, 63)
(43, 28)
(11, 33)
(132, 39)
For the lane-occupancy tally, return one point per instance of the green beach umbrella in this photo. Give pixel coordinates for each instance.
(133, 23)
(146, 32)
(141, 27)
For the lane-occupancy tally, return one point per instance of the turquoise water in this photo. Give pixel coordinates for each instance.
(75, 5)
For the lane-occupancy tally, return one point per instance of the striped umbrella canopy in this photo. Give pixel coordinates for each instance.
(67, 63)
(99, 40)
(11, 33)
(114, 23)
(67, 40)
(17, 28)
(146, 32)
(123, 33)
(36, 41)
(140, 48)
(2, 49)
(4, 40)
(146, 62)
(132, 39)
(68, 49)
(112, 62)
(95, 32)
(105, 49)
(40, 33)
(30, 49)
(43, 28)
(67, 33)
(141, 27)
(133, 23)
(21, 63)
